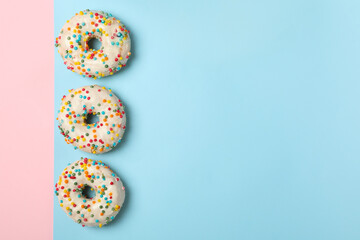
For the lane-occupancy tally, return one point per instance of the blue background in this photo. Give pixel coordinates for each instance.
(243, 120)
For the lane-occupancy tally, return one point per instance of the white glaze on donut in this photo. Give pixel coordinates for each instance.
(99, 137)
(109, 192)
(78, 57)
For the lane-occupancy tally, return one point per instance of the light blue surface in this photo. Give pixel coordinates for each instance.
(243, 120)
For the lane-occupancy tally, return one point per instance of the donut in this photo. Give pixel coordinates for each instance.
(72, 44)
(107, 186)
(78, 106)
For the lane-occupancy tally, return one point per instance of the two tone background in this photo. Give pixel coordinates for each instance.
(243, 120)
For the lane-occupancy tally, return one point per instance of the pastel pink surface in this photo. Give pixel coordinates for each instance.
(26, 122)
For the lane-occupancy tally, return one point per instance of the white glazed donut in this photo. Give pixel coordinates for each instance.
(99, 137)
(73, 46)
(108, 188)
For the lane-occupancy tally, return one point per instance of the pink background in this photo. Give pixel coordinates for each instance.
(26, 121)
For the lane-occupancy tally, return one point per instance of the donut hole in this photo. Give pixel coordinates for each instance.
(94, 44)
(88, 192)
(91, 119)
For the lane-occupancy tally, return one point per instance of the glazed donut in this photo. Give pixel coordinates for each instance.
(108, 188)
(72, 44)
(99, 137)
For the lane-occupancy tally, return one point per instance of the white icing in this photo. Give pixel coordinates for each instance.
(110, 58)
(101, 136)
(104, 206)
